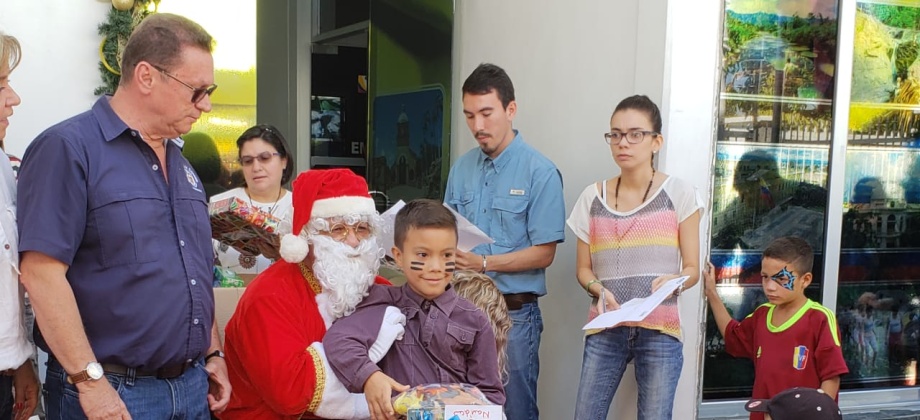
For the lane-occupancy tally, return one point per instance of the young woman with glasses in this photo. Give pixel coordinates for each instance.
(267, 166)
(635, 232)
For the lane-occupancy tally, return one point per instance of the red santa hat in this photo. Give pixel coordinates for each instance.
(320, 194)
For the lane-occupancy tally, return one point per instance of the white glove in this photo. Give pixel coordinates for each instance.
(337, 402)
(392, 328)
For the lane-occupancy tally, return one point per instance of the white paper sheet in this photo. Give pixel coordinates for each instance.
(468, 235)
(636, 309)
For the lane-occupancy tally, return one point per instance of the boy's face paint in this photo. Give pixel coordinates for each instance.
(428, 258)
(784, 278)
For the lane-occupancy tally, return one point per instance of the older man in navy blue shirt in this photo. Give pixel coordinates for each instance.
(115, 241)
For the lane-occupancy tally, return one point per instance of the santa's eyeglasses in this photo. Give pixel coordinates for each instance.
(339, 231)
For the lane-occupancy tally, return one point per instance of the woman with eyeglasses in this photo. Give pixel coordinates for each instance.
(267, 165)
(635, 232)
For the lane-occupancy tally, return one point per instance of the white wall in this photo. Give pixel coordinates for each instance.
(571, 62)
(690, 88)
(58, 72)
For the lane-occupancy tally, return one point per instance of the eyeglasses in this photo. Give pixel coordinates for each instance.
(263, 157)
(339, 231)
(632, 137)
(197, 93)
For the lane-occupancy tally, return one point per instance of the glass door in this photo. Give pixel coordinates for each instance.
(878, 295)
(772, 157)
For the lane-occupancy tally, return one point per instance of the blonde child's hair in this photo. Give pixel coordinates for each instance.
(479, 289)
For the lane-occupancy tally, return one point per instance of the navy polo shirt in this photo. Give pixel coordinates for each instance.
(92, 195)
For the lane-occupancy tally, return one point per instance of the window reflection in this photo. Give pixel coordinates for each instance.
(878, 309)
(772, 149)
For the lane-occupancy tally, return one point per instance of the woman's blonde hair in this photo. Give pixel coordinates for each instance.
(479, 289)
(10, 52)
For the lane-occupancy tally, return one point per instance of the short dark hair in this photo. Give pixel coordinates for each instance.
(642, 103)
(272, 136)
(488, 77)
(159, 40)
(422, 213)
(793, 250)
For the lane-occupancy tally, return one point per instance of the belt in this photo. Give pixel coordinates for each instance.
(516, 301)
(166, 372)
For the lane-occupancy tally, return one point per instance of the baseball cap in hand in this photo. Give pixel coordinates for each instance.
(797, 404)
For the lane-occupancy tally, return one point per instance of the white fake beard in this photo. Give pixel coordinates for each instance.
(345, 273)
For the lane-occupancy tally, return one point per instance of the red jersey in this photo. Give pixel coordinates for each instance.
(804, 351)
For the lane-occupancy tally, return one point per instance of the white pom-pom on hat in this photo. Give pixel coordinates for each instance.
(294, 248)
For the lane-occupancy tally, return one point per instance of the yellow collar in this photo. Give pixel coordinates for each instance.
(310, 278)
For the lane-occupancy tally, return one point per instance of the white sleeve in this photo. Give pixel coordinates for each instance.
(686, 198)
(579, 220)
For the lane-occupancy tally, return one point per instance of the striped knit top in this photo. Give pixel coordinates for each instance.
(630, 249)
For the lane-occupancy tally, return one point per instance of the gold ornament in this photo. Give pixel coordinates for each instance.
(123, 5)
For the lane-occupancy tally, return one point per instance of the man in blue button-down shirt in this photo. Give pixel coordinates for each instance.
(514, 194)
(116, 243)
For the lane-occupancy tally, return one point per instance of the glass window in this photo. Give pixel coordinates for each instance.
(234, 102)
(878, 306)
(772, 152)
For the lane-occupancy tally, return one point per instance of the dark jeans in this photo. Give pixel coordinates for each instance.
(6, 397)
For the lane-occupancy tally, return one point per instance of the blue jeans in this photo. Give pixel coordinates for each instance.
(523, 363)
(181, 398)
(658, 361)
(6, 397)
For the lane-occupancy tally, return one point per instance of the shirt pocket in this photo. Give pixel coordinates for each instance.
(129, 225)
(194, 223)
(509, 221)
(460, 340)
(463, 203)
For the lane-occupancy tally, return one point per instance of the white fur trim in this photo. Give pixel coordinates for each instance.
(325, 309)
(339, 206)
(294, 248)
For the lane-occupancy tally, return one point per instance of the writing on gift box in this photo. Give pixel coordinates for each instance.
(473, 412)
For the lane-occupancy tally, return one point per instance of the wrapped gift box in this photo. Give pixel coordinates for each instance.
(235, 223)
(445, 402)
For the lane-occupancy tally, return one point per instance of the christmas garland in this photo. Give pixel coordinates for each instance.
(120, 22)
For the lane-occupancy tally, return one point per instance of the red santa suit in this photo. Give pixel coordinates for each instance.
(274, 353)
(275, 372)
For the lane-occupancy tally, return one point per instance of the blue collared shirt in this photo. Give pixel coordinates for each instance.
(516, 199)
(93, 196)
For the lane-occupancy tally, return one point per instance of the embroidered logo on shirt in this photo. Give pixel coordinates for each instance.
(517, 192)
(192, 179)
(800, 357)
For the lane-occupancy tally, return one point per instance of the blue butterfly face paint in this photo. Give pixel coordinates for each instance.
(785, 278)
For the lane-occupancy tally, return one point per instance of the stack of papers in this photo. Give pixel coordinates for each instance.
(636, 309)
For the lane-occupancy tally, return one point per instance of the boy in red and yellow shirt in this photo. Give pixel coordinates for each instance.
(792, 340)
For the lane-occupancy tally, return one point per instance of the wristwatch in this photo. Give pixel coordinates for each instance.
(215, 353)
(93, 372)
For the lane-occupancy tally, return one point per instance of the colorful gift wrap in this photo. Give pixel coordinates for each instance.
(241, 226)
(427, 402)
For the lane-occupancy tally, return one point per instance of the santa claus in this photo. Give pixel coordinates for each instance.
(274, 352)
